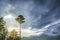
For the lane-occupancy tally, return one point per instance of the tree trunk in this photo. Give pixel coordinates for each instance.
(20, 31)
(5, 38)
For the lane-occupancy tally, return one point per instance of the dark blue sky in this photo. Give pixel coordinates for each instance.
(38, 13)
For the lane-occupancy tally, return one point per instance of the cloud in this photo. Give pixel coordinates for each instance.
(8, 8)
(12, 24)
(34, 14)
(53, 30)
(28, 32)
(5, 9)
(36, 32)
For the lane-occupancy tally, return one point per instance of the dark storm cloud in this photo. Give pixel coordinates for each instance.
(41, 12)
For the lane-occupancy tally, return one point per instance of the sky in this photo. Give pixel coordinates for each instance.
(41, 16)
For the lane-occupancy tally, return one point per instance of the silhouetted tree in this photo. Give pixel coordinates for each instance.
(21, 20)
(3, 30)
(2, 23)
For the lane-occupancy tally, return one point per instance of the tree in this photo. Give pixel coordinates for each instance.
(20, 19)
(3, 30)
(13, 35)
(2, 23)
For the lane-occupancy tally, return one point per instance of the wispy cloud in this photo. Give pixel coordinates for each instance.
(35, 32)
(34, 14)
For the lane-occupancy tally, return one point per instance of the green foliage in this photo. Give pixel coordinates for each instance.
(20, 19)
(2, 37)
(3, 33)
(10, 38)
(13, 35)
(2, 23)
(3, 30)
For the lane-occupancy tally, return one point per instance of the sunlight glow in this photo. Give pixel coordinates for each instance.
(12, 28)
(11, 22)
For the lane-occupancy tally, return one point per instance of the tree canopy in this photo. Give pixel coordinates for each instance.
(20, 19)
